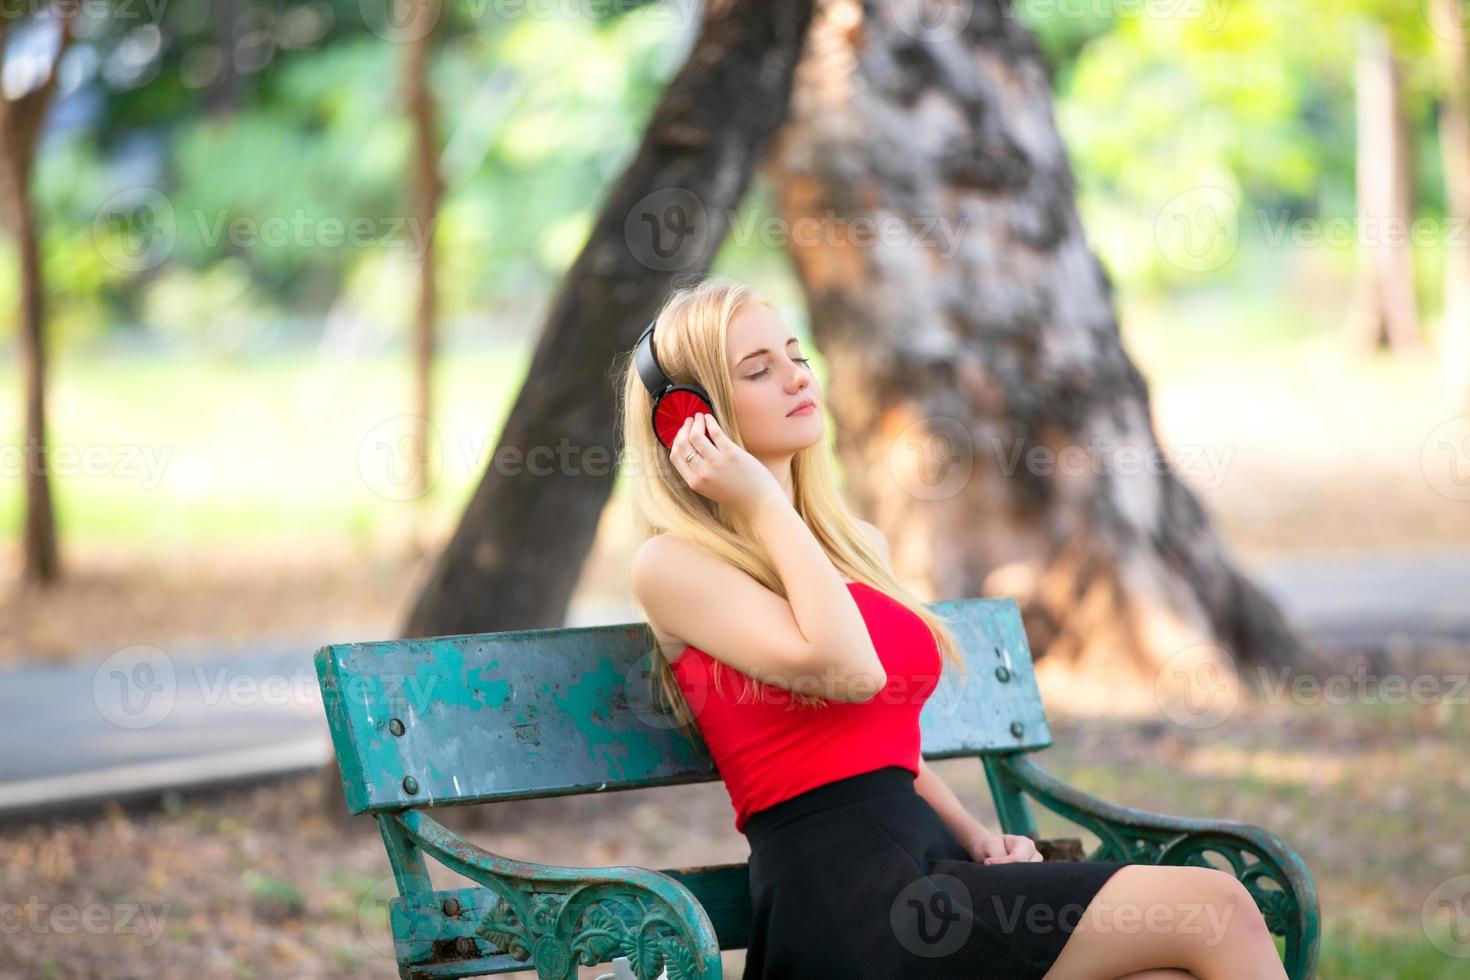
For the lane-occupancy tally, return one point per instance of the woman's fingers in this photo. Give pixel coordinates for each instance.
(697, 437)
(1019, 847)
(994, 849)
(678, 449)
(1008, 848)
(717, 434)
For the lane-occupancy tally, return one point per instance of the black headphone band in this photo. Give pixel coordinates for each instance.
(645, 359)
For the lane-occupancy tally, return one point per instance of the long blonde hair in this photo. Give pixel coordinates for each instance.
(690, 334)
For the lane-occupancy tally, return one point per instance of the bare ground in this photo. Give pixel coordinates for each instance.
(261, 883)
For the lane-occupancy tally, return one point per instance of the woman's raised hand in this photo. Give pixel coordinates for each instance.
(720, 470)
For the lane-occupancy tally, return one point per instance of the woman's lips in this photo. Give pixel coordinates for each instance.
(806, 409)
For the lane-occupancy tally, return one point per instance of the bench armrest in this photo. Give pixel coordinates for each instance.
(1273, 873)
(554, 917)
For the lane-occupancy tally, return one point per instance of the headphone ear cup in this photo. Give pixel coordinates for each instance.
(674, 406)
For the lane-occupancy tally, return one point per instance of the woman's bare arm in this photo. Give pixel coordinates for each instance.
(965, 827)
(814, 641)
(820, 600)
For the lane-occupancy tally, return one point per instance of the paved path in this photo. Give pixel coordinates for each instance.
(1370, 600)
(139, 720)
(131, 722)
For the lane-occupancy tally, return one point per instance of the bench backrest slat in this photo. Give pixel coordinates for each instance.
(496, 716)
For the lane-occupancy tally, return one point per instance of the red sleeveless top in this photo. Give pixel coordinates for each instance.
(767, 753)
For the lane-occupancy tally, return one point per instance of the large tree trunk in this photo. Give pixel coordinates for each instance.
(427, 190)
(1454, 142)
(1386, 313)
(517, 554)
(987, 414)
(21, 120)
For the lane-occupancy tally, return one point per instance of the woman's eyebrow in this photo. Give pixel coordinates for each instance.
(763, 350)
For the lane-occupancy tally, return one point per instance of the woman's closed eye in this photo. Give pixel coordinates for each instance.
(804, 361)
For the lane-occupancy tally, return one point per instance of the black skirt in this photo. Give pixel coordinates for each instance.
(861, 878)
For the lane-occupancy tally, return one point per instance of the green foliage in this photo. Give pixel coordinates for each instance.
(291, 197)
(1253, 98)
(295, 195)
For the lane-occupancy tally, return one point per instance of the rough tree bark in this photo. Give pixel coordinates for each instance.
(21, 119)
(1386, 313)
(516, 555)
(987, 413)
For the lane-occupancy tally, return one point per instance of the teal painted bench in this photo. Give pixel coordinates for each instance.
(453, 720)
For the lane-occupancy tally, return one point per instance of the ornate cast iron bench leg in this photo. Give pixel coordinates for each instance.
(549, 917)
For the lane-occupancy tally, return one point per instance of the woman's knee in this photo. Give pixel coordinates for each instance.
(1232, 910)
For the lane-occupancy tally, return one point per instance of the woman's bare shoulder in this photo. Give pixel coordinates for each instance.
(658, 561)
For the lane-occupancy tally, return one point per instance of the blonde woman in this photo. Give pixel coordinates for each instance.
(784, 636)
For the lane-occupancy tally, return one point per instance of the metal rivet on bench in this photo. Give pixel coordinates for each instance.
(451, 906)
(411, 785)
(1003, 673)
(464, 945)
(1017, 728)
(395, 726)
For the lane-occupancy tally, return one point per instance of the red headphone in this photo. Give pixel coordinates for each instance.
(672, 403)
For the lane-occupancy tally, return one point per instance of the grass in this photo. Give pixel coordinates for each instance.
(1396, 955)
(206, 452)
(193, 452)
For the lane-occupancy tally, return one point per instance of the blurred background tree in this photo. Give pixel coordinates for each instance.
(229, 218)
(201, 190)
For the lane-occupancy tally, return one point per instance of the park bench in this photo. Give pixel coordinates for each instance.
(454, 720)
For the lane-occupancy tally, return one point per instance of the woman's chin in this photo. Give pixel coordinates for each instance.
(797, 433)
(816, 432)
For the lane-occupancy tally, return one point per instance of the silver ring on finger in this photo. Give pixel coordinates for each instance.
(691, 455)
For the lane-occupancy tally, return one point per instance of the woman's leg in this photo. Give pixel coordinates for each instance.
(1199, 920)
